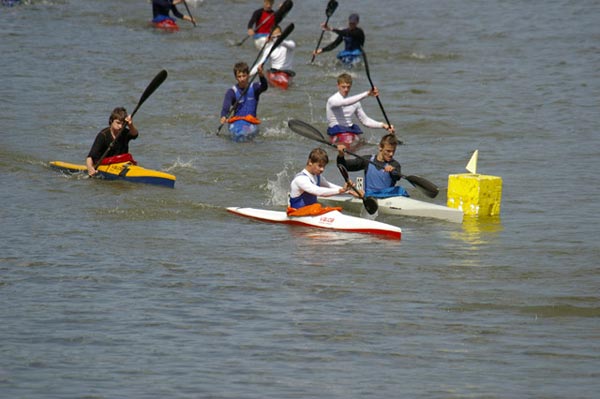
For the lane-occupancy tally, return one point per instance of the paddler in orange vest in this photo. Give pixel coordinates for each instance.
(120, 131)
(242, 100)
(309, 184)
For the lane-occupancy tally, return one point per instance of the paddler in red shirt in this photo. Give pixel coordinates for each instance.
(261, 23)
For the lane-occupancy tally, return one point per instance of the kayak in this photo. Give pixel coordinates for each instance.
(241, 130)
(166, 24)
(349, 58)
(352, 141)
(279, 79)
(120, 171)
(402, 206)
(334, 220)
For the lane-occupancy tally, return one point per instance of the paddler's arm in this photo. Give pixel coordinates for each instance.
(351, 165)
(133, 132)
(264, 85)
(89, 162)
(228, 101)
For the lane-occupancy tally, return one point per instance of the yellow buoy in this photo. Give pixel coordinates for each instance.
(475, 194)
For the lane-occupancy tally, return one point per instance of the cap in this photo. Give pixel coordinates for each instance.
(353, 18)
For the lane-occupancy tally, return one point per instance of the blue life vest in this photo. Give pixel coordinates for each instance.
(304, 198)
(246, 105)
(379, 183)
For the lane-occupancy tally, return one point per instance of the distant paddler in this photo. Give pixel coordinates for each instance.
(263, 20)
(161, 10)
(281, 59)
(353, 38)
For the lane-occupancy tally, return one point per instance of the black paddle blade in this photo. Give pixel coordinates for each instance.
(331, 7)
(306, 130)
(156, 82)
(283, 11)
(371, 205)
(427, 187)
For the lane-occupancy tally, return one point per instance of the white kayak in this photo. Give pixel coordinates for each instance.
(403, 206)
(333, 220)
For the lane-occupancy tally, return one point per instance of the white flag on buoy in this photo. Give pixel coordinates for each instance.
(472, 165)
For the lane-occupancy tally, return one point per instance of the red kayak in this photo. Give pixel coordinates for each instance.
(351, 140)
(167, 25)
(279, 79)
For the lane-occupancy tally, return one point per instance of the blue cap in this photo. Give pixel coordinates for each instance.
(353, 18)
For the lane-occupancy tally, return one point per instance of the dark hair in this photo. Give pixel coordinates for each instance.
(240, 67)
(117, 113)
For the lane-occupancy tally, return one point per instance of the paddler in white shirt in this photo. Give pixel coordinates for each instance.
(309, 184)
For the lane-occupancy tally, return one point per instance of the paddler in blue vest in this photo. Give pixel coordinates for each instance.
(244, 101)
(309, 184)
(381, 178)
(161, 9)
(120, 130)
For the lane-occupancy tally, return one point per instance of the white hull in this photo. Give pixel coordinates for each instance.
(333, 220)
(403, 206)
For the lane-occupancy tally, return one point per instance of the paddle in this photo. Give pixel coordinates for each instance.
(286, 32)
(369, 203)
(157, 81)
(331, 6)
(310, 132)
(373, 86)
(279, 15)
(189, 13)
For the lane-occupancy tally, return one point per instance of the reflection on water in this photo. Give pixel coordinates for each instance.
(479, 230)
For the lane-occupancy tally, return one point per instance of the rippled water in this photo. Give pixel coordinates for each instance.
(113, 290)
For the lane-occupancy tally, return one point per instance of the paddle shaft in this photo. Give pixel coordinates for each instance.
(370, 203)
(331, 6)
(373, 86)
(154, 84)
(319, 42)
(189, 13)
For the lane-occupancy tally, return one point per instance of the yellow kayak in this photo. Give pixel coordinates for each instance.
(121, 171)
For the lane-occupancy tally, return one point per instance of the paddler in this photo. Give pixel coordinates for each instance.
(382, 173)
(243, 96)
(120, 131)
(309, 184)
(161, 9)
(261, 23)
(340, 109)
(282, 57)
(352, 36)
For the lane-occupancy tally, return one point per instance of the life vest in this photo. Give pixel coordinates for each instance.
(377, 179)
(246, 105)
(127, 157)
(305, 198)
(265, 29)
